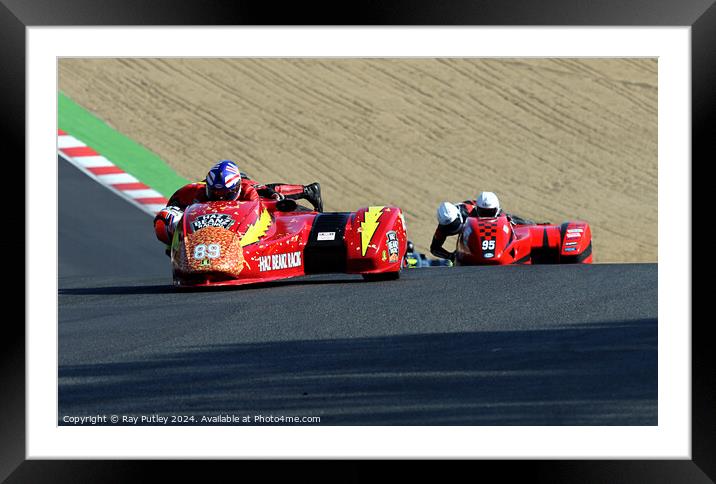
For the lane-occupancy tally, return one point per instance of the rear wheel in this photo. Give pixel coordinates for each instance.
(382, 276)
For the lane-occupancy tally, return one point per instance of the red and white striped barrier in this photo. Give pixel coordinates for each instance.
(108, 174)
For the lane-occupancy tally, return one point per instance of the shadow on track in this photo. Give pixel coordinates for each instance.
(169, 289)
(117, 290)
(587, 374)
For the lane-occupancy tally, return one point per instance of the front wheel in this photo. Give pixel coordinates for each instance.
(382, 276)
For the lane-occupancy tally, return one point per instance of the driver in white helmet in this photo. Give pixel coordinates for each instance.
(451, 217)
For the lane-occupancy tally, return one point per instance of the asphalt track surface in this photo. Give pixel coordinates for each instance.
(518, 345)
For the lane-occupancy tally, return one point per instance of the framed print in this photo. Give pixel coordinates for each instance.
(543, 136)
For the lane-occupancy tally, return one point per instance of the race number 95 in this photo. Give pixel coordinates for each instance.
(202, 251)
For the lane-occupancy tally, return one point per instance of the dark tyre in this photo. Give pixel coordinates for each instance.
(382, 276)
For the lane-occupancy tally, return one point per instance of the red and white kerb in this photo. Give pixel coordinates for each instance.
(107, 173)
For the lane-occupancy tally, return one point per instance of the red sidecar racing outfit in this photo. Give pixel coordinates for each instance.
(467, 209)
(164, 221)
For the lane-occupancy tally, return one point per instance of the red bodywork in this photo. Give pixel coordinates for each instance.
(230, 243)
(496, 241)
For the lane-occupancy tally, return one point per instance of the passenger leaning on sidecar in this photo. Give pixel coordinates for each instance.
(452, 216)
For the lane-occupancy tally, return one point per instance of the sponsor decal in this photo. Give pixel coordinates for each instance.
(384, 257)
(504, 227)
(205, 263)
(574, 230)
(368, 227)
(279, 261)
(573, 236)
(571, 243)
(392, 243)
(488, 255)
(220, 220)
(326, 236)
(256, 230)
(570, 249)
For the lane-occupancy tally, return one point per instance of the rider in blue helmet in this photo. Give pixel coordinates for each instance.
(225, 182)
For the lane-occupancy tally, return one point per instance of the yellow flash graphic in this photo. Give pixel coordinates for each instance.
(257, 229)
(368, 226)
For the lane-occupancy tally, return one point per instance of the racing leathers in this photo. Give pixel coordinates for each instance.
(167, 219)
(468, 208)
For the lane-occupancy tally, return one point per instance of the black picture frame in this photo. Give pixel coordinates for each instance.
(700, 15)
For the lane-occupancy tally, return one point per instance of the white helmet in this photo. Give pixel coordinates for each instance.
(487, 205)
(449, 217)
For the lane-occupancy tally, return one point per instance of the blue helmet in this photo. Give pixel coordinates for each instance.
(223, 182)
